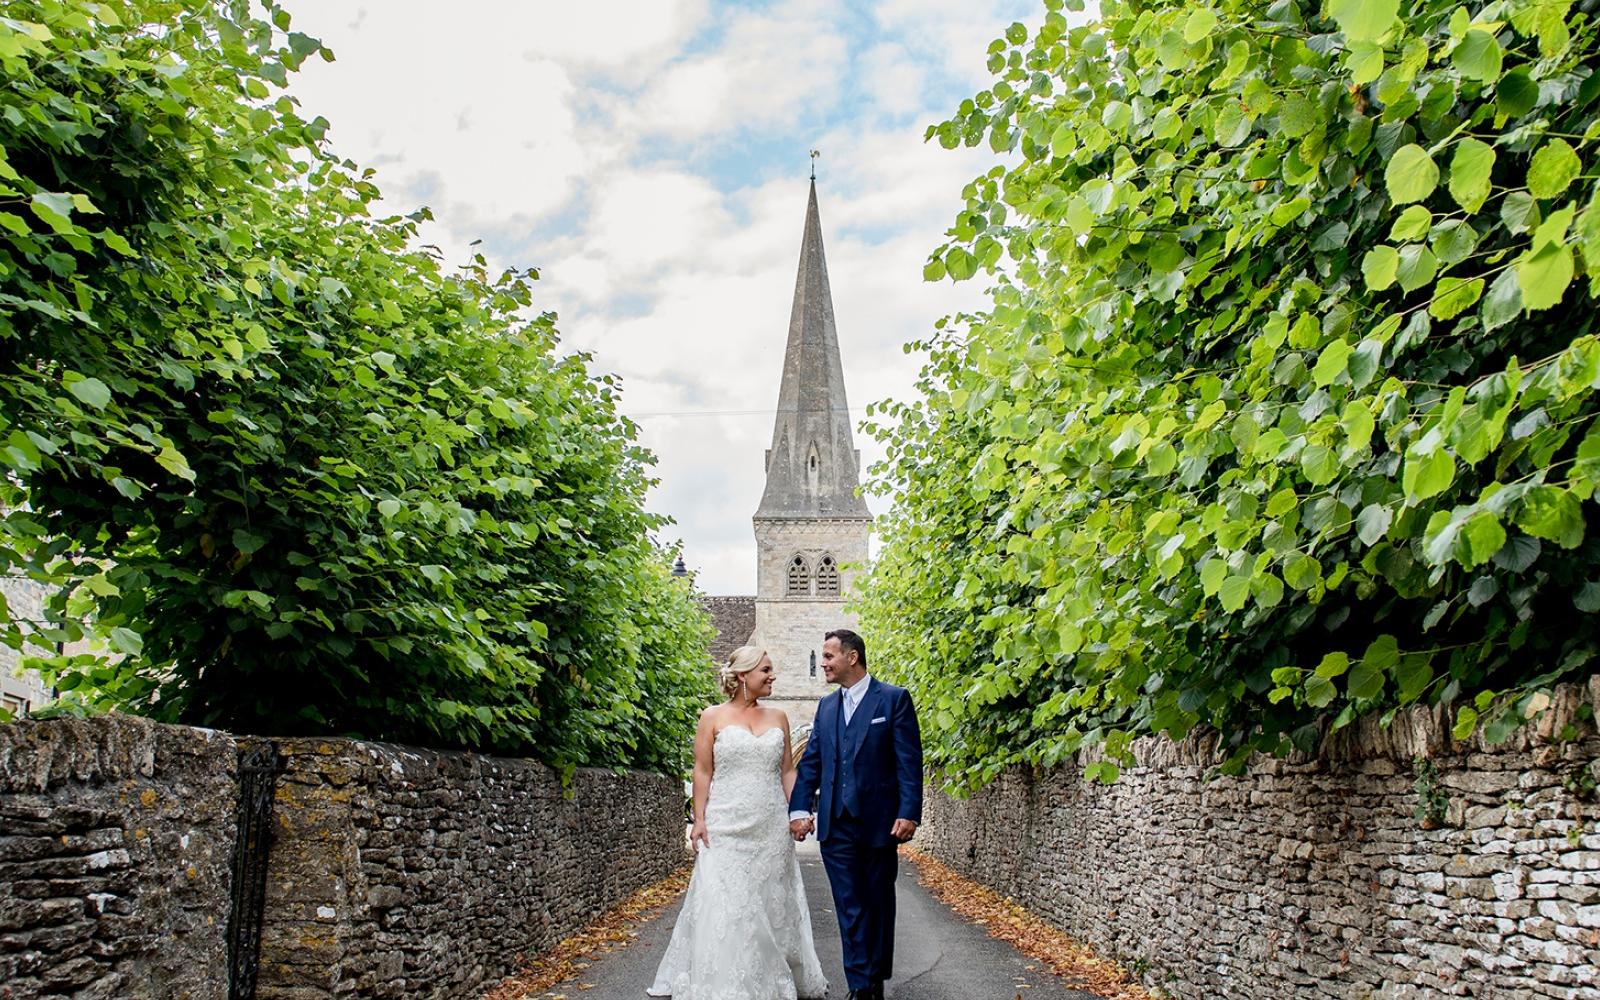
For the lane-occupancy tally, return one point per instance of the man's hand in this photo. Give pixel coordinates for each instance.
(904, 830)
(798, 828)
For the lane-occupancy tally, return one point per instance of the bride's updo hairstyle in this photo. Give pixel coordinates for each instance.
(741, 661)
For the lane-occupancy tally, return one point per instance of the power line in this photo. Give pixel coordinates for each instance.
(740, 413)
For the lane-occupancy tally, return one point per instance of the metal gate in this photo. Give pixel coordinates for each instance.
(258, 781)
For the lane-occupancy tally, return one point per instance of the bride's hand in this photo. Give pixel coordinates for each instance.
(698, 836)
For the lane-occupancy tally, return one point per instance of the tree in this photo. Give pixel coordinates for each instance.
(1282, 412)
(298, 476)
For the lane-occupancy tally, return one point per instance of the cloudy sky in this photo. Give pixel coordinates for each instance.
(650, 158)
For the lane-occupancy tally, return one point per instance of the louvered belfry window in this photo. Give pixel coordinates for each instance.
(799, 577)
(827, 578)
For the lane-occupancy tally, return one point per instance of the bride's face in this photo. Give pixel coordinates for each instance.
(759, 680)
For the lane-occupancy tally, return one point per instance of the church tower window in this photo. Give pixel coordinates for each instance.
(827, 578)
(799, 578)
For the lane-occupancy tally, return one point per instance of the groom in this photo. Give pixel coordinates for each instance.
(865, 756)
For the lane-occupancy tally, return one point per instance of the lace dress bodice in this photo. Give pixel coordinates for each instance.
(744, 932)
(747, 785)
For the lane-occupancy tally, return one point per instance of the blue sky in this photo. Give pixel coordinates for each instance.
(650, 158)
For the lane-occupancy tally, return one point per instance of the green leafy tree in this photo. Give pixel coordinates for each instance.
(1283, 409)
(286, 471)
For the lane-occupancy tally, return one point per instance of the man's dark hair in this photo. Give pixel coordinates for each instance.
(849, 640)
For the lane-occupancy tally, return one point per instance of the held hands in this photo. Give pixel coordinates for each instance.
(698, 836)
(902, 831)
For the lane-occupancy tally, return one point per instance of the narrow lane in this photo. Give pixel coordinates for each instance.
(938, 954)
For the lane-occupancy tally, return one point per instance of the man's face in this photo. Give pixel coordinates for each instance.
(835, 661)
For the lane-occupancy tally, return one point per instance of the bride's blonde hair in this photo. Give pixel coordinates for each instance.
(741, 661)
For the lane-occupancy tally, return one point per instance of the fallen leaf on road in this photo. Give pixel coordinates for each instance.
(612, 930)
(1027, 932)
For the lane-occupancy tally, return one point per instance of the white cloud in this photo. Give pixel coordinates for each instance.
(481, 111)
(626, 40)
(767, 68)
(898, 81)
(645, 220)
(954, 33)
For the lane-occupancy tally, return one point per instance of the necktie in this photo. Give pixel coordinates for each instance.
(849, 706)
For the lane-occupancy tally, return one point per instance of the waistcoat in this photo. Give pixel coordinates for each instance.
(844, 776)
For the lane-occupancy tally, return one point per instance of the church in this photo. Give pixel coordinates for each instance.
(812, 525)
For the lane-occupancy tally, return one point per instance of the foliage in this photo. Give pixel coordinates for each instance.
(1283, 408)
(1579, 781)
(1433, 802)
(294, 475)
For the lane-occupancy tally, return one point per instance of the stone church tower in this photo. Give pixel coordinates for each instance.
(811, 528)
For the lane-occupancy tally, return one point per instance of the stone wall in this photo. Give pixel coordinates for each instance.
(419, 874)
(116, 837)
(1312, 877)
(393, 872)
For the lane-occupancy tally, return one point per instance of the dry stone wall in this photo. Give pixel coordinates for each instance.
(405, 873)
(1312, 877)
(393, 872)
(116, 837)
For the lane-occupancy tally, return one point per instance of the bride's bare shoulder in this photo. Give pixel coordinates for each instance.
(711, 714)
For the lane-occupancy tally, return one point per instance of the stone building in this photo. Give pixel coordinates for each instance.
(21, 690)
(812, 526)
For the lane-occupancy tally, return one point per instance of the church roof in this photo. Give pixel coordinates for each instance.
(813, 465)
(735, 621)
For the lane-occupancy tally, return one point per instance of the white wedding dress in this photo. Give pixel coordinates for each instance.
(744, 932)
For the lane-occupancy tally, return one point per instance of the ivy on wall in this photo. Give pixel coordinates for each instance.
(1282, 411)
(285, 471)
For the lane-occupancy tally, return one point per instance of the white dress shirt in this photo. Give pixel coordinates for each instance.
(852, 697)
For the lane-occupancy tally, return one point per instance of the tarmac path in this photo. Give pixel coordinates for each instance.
(939, 955)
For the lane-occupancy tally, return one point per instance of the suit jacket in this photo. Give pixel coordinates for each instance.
(883, 744)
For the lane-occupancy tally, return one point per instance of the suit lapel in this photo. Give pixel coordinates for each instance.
(856, 733)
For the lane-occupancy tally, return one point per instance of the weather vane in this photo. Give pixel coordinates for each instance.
(814, 155)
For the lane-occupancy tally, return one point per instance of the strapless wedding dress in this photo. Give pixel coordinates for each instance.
(744, 932)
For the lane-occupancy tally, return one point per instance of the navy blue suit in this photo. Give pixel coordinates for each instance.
(869, 774)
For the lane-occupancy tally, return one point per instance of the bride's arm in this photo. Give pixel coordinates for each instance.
(704, 735)
(788, 758)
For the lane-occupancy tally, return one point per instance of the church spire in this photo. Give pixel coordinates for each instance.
(812, 466)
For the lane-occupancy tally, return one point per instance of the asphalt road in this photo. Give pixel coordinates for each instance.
(938, 954)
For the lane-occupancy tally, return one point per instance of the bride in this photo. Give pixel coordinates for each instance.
(744, 932)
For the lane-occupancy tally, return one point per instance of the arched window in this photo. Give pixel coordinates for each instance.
(799, 577)
(827, 578)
